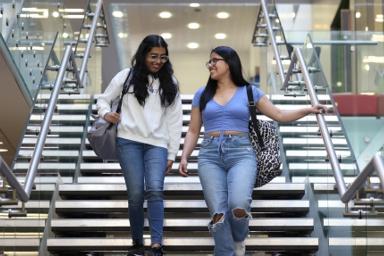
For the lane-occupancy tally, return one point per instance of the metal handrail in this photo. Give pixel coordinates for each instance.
(273, 41)
(376, 163)
(90, 41)
(24, 192)
(322, 125)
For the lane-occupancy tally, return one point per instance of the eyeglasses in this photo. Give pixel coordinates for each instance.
(212, 62)
(163, 58)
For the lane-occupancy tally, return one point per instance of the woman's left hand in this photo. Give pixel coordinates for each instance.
(169, 167)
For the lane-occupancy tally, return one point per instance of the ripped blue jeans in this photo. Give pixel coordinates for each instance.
(227, 174)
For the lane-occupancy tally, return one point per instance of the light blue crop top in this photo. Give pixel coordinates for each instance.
(233, 116)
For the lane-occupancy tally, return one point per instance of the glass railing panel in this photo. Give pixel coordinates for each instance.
(352, 60)
(343, 224)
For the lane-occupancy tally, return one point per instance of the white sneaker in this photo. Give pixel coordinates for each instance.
(240, 248)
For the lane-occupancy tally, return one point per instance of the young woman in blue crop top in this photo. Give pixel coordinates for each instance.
(227, 162)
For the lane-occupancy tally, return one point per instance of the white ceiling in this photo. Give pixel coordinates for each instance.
(142, 19)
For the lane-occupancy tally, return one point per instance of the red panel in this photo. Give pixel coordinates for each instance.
(380, 105)
(356, 104)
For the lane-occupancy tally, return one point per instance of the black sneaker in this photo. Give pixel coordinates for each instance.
(136, 250)
(157, 251)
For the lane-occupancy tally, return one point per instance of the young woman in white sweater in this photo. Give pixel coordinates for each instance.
(148, 137)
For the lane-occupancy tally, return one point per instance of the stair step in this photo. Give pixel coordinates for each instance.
(184, 224)
(184, 243)
(178, 188)
(356, 224)
(104, 206)
(19, 244)
(56, 129)
(22, 225)
(372, 243)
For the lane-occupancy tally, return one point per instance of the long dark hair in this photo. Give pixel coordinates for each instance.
(231, 57)
(168, 87)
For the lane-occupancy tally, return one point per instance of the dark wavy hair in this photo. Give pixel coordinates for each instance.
(168, 87)
(231, 57)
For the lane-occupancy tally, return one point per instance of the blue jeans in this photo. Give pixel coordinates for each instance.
(227, 171)
(144, 168)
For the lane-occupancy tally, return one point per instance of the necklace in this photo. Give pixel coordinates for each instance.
(150, 87)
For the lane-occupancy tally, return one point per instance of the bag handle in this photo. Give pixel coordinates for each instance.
(125, 90)
(252, 111)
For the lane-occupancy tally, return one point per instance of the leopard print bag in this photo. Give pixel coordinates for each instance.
(265, 141)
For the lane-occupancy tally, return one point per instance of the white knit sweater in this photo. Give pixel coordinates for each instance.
(150, 124)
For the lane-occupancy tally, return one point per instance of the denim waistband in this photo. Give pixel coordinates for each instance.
(222, 135)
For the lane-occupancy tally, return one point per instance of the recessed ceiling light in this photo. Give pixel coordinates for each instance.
(3, 150)
(194, 5)
(379, 18)
(72, 10)
(117, 14)
(122, 35)
(1, 143)
(358, 15)
(193, 25)
(165, 15)
(65, 35)
(220, 36)
(166, 35)
(193, 45)
(55, 14)
(222, 15)
(73, 16)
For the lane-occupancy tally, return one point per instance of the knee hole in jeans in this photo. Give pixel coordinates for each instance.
(239, 213)
(218, 217)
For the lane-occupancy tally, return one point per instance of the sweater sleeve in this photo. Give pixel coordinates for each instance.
(112, 92)
(174, 119)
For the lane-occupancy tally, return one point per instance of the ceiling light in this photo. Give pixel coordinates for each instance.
(366, 67)
(3, 150)
(358, 15)
(65, 35)
(194, 5)
(122, 35)
(220, 36)
(165, 15)
(193, 25)
(222, 15)
(117, 14)
(1, 143)
(193, 45)
(72, 10)
(379, 18)
(55, 14)
(377, 38)
(166, 35)
(373, 59)
(73, 16)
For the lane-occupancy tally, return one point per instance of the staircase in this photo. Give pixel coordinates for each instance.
(79, 206)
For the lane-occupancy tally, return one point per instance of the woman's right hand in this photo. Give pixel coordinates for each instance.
(183, 171)
(112, 117)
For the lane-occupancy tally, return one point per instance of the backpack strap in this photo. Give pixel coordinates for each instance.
(125, 90)
(252, 111)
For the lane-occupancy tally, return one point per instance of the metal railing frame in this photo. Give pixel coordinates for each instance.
(23, 193)
(376, 163)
